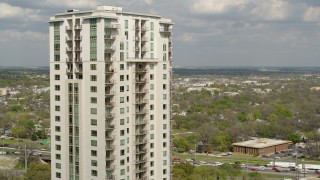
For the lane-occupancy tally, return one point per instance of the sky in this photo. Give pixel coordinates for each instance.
(206, 32)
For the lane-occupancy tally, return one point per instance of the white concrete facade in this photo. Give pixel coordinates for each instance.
(110, 83)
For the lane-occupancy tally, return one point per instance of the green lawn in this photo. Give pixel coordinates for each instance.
(22, 142)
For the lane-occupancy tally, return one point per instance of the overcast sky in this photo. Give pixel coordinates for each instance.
(206, 32)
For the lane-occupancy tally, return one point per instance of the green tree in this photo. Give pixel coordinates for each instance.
(38, 171)
(295, 138)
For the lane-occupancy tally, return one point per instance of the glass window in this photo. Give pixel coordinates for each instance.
(164, 97)
(93, 78)
(121, 121)
(93, 100)
(126, 24)
(93, 143)
(93, 110)
(93, 122)
(151, 86)
(121, 110)
(94, 163)
(121, 99)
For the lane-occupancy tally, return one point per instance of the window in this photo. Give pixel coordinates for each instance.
(164, 96)
(94, 143)
(93, 122)
(121, 46)
(151, 76)
(151, 26)
(93, 100)
(126, 24)
(151, 66)
(164, 162)
(121, 77)
(151, 46)
(151, 117)
(151, 86)
(58, 165)
(151, 136)
(56, 67)
(94, 173)
(94, 133)
(164, 106)
(151, 107)
(164, 86)
(164, 66)
(151, 145)
(151, 127)
(164, 116)
(164, 144)
(122, 162)
(57, 128)
(121, 56)
(121, 99)
(93, 110)
(121, 110)
(121, 121)
(121, 66)
(151, 36)
(94, 163)
(57, 77)
(121, 88)
(164, 58)
(93, 88)
(58, 175)
(58, 147)
(57, 118)
(93, 78)
(122, 142)
(93, 153)
(57, 97)
(57, 138)
(123, 171)
(93, 67)
(151, 96)
(164, 135)
(57, 87)
(164, 76)
(127, 77)
(57, 108)
(121, 132)
(164, 126)
(58, 156)
(122, 152)
(164, 171)
(164, 47)
(151, 173)
(151, 163)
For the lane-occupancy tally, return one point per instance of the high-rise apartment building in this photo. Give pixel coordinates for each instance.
(110, 84)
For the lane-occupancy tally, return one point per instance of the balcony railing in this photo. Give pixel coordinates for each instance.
(145, 49)
(69, 59)
(141, 101)
(141, 70)
(69, 70)
(109, 37)
(78, 49)
(136, 28)
(141, 142)
(109, 49)
(136, 38)
(78, 26)
(109, 93)
(110, 104)
(143, 169)
(141, 112)
(136, 49)
(68, 49)
(78, 38)
(144, 39)
(141, 132)
(109, 59)
(78, 70)
(165, 30)
(141, 91)
(110, 147)
(110, 158)
(143, 122)
(110, 82)
(78, 60)
(144, 28)
(110, 138)
(141, 151)
(110, 168)
(110, 116)
(110, 71)
(68, 28)
(68, 39)
(112, 26)
(142, 160)
(110, 126)
(141, 80)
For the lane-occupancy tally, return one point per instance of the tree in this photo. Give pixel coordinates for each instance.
(295, 138)
(38, 171)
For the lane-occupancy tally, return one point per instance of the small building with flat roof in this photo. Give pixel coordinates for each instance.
(261, 146)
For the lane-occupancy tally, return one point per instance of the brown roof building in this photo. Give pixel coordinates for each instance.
(261, 146)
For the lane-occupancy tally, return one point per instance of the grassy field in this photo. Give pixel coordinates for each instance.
(22, 142)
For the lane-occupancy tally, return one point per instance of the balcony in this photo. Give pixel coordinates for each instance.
(78, 38)
(170, 39)
(68, 39)
(109, 37)
(141, 80)
(141, 151)
(110, 158)
(78, 60)
(109, 59)
(144, 28)
(77, 27)
(136, 38)
(137, 28)
(110, 116)
(110, 168)
(109, 93)
(110, 82)
(110, 71)
(69, 59)
(110, 138)
(170, 49)
(141, 122)
(110, 104)
(143, 169)
(165, 30)
(142, 160)
(110, 127)
(136, 49)
(68, 28)
(69, 70)
(141, 178)
(78, 70)
(145, 49)
(141, 112)
(141, 70)
(141, 132)
(111, 177)
(139, 142)
(170, 58)
(144, 39)
(110, 147)
(141, 101)
(112, 26)
(141, 91)
(69, 49)
(109, 49)
(79, 49)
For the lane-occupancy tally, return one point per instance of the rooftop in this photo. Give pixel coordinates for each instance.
(261, 143)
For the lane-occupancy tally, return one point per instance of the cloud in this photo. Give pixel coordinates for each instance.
(148, 1)
(216, 6)
(271, 9)
(312, 14)
(10, 35)
(9, 11)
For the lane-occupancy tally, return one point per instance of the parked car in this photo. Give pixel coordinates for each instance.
(317, 171)
(261, 168)
(253, 169)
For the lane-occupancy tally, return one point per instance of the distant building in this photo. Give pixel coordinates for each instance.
(204, 148)
(261, 146)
